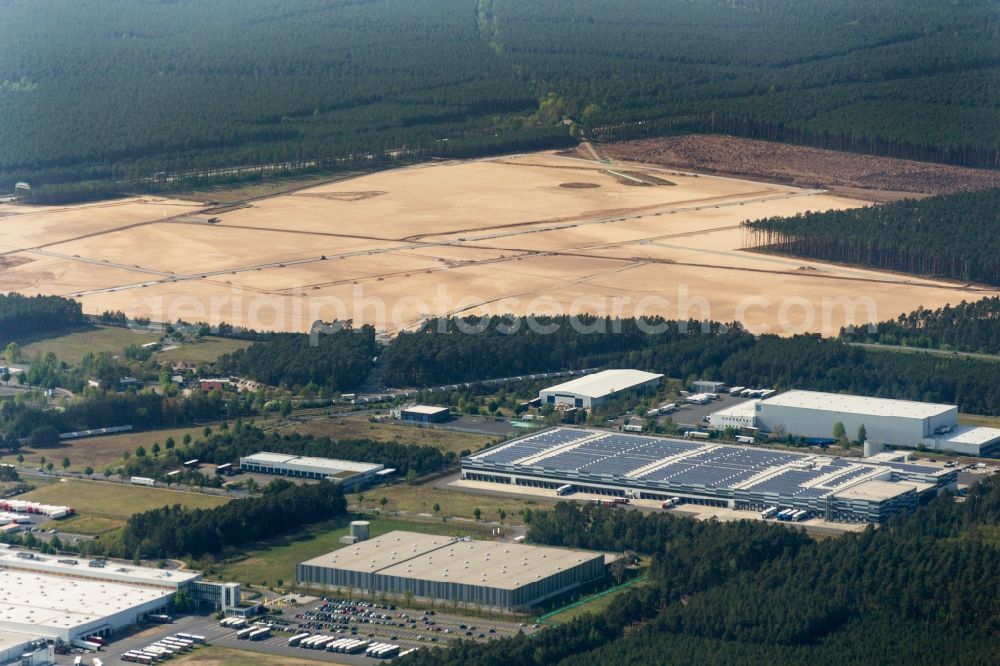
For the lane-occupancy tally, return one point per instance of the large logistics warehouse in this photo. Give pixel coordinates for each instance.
(68, 599)
(592, 390)
(487, 573)
(901, 423)
(700, 472)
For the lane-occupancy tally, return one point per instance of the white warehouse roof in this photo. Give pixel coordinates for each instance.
(604, 383)
(430, 410)
(52, 605)
(857, 404)
(328, 465)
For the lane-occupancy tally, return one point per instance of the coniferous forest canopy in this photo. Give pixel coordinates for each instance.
(952, 236)
(967, 327)
(121, 90)
(442, 354)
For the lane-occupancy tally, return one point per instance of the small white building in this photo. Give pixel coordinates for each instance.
(592, 390)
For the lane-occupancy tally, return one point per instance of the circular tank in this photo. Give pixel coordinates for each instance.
(873, 448)
(359, 529)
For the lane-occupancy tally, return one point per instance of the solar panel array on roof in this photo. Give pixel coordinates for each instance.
(838, 481)
(615, 454)
(688, 467)
(533, 445)
(789, 482)
(723, 466)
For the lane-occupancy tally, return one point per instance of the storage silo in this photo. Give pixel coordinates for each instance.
(359, 529)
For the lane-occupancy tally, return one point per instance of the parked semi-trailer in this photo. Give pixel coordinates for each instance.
(259, 634)
(769, 512)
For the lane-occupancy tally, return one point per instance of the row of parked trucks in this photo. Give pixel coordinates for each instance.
(372, 649)
(791, 515)
(163, 649)
(744, 392)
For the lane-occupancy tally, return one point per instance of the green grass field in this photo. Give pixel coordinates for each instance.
(596, 604)
(218, 656)
(359, 427)
(71, 347)
(207, 350)
(101, 452)
(422, 498)
(104, 506)
(276, 559)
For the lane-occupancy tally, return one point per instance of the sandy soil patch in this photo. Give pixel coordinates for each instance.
(492, 235)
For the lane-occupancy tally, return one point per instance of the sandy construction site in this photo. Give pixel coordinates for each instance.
(526, 234)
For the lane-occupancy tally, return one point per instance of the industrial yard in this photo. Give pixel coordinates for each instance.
(433, 239)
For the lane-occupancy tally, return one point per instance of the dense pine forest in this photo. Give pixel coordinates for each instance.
(336, 362)
(968, 327)
(178, 531)
(441, 354)
(952, 236)
(922, 590)
(22, 316)
(102, 95)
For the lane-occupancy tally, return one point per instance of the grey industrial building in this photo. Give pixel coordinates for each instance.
(706, 473)
(899, 423)
(487, 573)
(425, 414)
(593, 390)
(348, 473)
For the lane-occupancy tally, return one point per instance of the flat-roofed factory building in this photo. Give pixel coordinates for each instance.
(707, 473)
(593, 390)
(346, 472)
(51, 597)
(487, 573)
(901, 423)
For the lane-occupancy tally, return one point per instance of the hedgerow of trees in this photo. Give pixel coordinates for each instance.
(182, 532)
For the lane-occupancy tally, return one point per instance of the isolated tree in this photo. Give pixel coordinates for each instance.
(89, 471)
(862, 434)
(437, 508)
(49, 466)
(383, 502)
(478, 513)
(502, 514)
(5, 377)
(169, 444)
(12, 354)
(839, 432)
(65, 463)
(156, 449)
(20, 459)
(187, 438)
(140, 451)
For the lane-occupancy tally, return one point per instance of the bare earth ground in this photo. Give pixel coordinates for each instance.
(494, 235)
(850, 174)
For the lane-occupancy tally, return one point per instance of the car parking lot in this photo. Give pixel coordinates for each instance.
(345, 618)
(340, 618)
